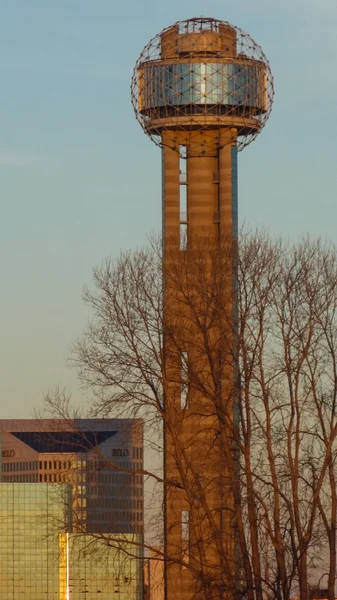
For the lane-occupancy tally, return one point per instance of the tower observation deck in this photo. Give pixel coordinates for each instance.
(202, 90)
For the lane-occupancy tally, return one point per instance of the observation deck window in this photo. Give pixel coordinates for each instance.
(228, 83)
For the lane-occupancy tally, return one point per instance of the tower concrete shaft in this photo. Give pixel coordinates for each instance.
(199, 533)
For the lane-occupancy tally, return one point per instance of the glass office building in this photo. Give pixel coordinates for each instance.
(101, 458)
(41, 560)
(97, 572)
(31, 519)
(71, 510)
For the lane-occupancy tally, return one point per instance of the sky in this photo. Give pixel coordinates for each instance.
(79, 180)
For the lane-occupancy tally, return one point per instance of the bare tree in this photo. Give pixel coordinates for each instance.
(264, 375)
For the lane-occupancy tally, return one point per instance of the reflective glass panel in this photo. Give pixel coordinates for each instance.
(235, 84)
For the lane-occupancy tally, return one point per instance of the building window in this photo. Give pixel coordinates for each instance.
(183, 237)
(184, 380)
(185, 535)
(235, 218)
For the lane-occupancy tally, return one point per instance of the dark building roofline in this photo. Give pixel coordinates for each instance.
(62, 441)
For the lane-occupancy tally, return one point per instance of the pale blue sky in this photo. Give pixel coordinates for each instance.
(79, 180)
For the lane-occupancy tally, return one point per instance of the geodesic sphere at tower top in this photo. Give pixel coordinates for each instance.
(202, 75)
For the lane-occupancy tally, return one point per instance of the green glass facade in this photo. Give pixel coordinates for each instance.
(31, 518)
(100, 572)
(40, 559)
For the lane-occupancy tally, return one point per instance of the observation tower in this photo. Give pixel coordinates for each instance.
(202, 90)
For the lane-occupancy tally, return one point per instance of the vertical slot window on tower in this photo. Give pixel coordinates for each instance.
(235, 218)
(185, 535)
(183, 236)
(183, 197)
(184, 380)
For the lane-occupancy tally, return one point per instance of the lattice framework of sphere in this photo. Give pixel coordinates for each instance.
(202, 75)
